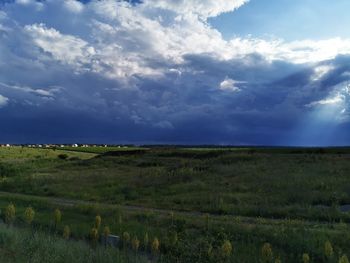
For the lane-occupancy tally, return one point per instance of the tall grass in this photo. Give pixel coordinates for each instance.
(19, 245)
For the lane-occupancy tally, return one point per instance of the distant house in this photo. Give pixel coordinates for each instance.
(75, 145)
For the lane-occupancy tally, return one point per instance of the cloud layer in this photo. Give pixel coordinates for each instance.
(158, 72)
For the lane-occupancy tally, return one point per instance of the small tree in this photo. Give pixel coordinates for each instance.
(266, 252)
(155, 246)
(10, 214)
(226, 249)
(57, 215)
(278, 260)
(29, 214)
(344, 259)
(306, 258)
(328, 250)
(66, 232)
(98, 221)
(106, 233)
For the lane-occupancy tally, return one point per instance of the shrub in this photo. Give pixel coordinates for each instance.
(226, 249)
(126, 238)
(343, 259)
(94, 236)
(328, 250)
(10, 213)
(207, 217)
(29, 214)
(306, 258)
(62, 156)
(135, 243)
(173, 238)
(98, 221)
(155, 246)
(66, 232)
(210, 251)
(119, 222)
(266, 252)
(57, 215)
(106, 233)
(145, 241)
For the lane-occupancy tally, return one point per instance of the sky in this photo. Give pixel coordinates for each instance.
(226, 72)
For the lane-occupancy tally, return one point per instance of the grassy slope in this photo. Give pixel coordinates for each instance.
(272, 184)
(238, 182)
(20, 155)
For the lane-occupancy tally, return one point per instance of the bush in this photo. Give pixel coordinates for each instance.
(29, 214)
(266, 253)
(66, 232)
(62, 156)
(10, 214)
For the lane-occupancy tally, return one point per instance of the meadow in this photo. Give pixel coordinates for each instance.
(268, 204)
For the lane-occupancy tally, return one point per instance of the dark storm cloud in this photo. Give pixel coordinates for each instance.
(111, 72)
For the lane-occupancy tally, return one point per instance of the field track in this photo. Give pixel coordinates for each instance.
(63, 202)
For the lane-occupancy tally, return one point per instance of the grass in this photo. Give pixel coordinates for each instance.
(101, 149)
(221, 182)
(24, 154)
(23, 245)
(287, 197)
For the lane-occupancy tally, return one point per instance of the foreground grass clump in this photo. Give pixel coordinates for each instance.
(20, 245)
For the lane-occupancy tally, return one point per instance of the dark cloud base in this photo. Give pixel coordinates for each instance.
(50, 101)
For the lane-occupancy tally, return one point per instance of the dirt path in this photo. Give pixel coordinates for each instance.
(71, 203)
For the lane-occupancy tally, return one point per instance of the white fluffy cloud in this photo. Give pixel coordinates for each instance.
(321, 71)
(329, 101)
(203, 8)
(229, 85)
(65, 48)
(47, 92)
(339, 97)
(3, 101)
(74, 6)
(119, 40)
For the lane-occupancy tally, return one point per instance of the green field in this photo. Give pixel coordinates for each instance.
(100, 149)
(293, 198)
